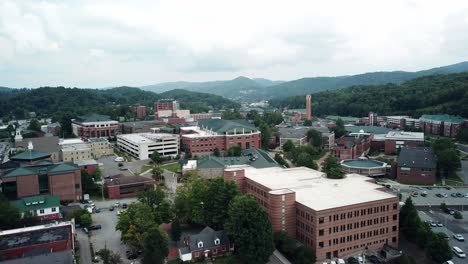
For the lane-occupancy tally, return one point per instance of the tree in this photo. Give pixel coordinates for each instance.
(156, 200)
(288, 146)
(86, 220)
(155, 246)
(339, 128)
(34, 125)
(332, 168)
(216, 152)
(97, 174)
(235, 151)
(134, 223)
(157, 171)
(266, 133)
(405, 259)
(250, 229)
(109, 257)
(155, 157)
(304, 255)
(28, 219)
(438, 248)
(88, 184)
(457, 215)
(232, 115)
(462, 135)
(189, 201)
(284, 243)
(252, 115)
(176, 230)
(76, 214)
(306, 160)
(442, 144)
(307, 123)
(314, 137)
(449, 160)
(281, 161)
(219, 195)
(9, 215)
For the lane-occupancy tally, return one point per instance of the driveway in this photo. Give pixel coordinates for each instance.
(83, 241)
(109, 167)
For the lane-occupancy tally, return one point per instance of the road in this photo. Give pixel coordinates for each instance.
(83, 240)
(462, 148)
(463, 173)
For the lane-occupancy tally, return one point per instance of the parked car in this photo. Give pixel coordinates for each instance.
(439, 195)
(85, 230)
(124, 205)
(458, 237)
(448, 188)
(459, 195)
(95, 227)
(117, 204)
(131, 254)
(458, 252)
(444, 195)
(433, 224)
(446, 237)
(352, 260)
(453, 195)
(119, 159)
(424, 193)
(466, 195)
(374, 259)
(439, 224)
(123, 168)
(341, 261)
(111, 208)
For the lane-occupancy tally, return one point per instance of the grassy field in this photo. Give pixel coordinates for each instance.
(174, 167)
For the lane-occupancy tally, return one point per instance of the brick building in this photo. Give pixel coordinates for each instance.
(166, 104)
(121, 186)
(334, 217)
(352, 146)
(221, 134)
(416, 165)
(37, 241)
(394, 140)
(95, 126)
(140, 111)
(444, 125)
(35, 174)
(208, 243)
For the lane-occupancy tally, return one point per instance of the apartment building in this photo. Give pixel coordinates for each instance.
(334, 217)
(221, 134)
(444, 125)
(140, 111)
(395, 140)
(142, 145)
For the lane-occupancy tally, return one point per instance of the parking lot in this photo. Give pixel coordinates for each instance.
(110, 167)
(450, 227)
(431, 199)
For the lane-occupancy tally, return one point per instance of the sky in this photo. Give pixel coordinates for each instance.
(107, 43)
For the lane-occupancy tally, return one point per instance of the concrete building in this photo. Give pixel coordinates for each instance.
(402, 122)
(42, 207)
(297, 135)
(37, 243)
(218, 133)
(140, 111)
(95, 126)
(142, 145)
(367, 167)
(395, 140)
(76, 149)
(444, 125)
(141, 126)
(334, 217)
(121, 186)
(417, 165)
(308, 107)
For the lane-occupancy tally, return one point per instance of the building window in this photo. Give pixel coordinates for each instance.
(197, 254)
(200, 244)
(216, 241)
(321, 220)
(41, 211)
(77, 186)
(321, 232)
(320, 244)
(54, 209)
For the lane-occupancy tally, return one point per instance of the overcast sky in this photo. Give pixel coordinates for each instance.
(111, 43)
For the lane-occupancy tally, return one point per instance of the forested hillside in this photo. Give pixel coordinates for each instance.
(430, 94)
(59, 101)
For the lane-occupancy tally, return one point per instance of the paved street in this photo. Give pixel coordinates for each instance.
(432, 199)
(83, 241)
(463, 173)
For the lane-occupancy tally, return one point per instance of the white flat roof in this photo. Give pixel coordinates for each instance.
(86, 162)
(402, 135)
(140, 138)
(71, 141)
(198, 132)
(76, 147)
(316, 191)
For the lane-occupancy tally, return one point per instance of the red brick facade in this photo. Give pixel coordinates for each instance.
(66, 185)
(391, 146)
(206, 145)
(127, 186)
(140, 111)
(416, 175)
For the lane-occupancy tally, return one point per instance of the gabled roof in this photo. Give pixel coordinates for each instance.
(207, 236)
(93, 117)
(30, 155)
(37, 202)
(20, 172)
(222, 126)
(43, 167)
(64, 167)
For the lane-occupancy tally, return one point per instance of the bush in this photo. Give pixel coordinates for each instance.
(457, 215)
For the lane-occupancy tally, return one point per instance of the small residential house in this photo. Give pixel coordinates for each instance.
(208, 243)
(43, 207)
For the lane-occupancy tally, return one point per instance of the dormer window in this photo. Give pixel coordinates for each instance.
(217, 242)
(200, 244)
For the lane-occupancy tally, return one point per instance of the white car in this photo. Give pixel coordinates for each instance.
(341, 261)
(119, 159)
(458, 237)
(117, 204)
(444, 195)
(118, 212)
(466, 195)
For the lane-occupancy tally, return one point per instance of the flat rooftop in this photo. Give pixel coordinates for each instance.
(60, 257)
(293, 132)
(141, 138)
(316, 191)
(402, 135)
(363, 163)
(76, 147)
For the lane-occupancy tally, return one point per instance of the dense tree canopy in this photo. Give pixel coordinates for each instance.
(332, 168)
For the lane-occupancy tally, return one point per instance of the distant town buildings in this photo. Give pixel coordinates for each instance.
(221, 134)
(142, 145)
(141, 126)
(95, 126)
(140, 111)
(416, 165)
(334, 217)
(169, 112)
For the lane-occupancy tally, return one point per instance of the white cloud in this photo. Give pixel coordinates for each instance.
(104, 43)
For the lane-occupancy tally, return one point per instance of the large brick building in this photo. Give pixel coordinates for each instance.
(140, 111)
(352, 146)
(334, 217)
(221, 134)
(32, 173)
(394, 140)
(416, 165)
(95, 126)
(444, 125)
(121, 186)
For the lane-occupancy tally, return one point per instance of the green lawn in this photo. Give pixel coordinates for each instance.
(174, 167)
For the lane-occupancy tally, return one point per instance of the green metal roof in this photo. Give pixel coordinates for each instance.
(417, 157)
(344, 118)
(30, 155)
(222, 126)
(444, 118)
(368, 129)
(43, 168)
(19, 172)
(64, 167)
(363, 163)
(93, 117)
(37, 203)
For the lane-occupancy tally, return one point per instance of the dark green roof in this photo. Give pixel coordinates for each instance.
(444, 118)
(254, 157)
(94, 118)
(30, 155)
(417, 157)
(42, 168)
(37, 202)
(222, 126)
(368, 129)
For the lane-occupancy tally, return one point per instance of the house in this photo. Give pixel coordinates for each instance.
(416, 165)
(42, 207)
(207, 243)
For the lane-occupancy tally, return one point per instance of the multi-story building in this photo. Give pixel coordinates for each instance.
(365, 167)
(142, 145)
(394, 140)
(201, 116)
(34, 174)
(75, 149)
(352, 146)
(121, 186)
(221, 134)
(140, 111)
(50, 243)
(166, 104)
(416, 165)
(444, 125)
(141, 126)
(402, 122)
(95, 126)
(45, 207)
(297, 135)
(335, 217)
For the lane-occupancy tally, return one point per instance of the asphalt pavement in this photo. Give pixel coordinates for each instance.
(431, 199)
(110, 167)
